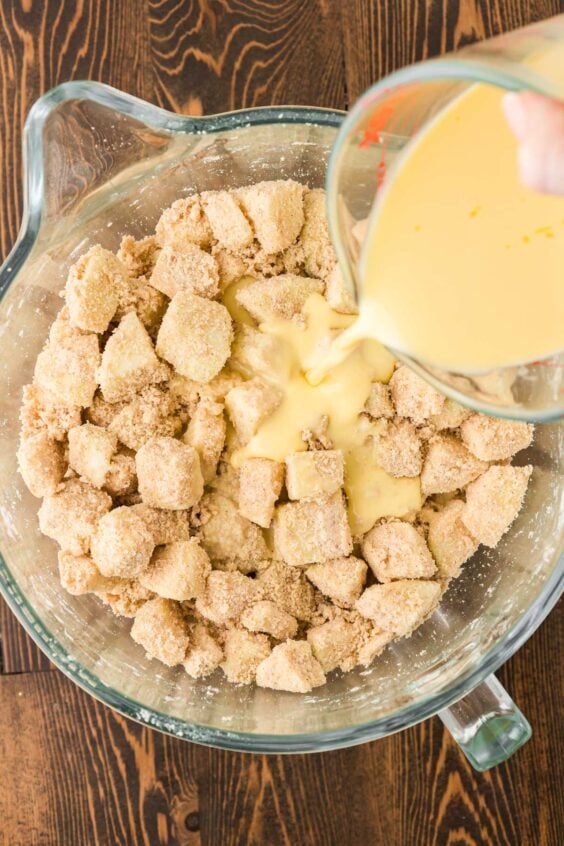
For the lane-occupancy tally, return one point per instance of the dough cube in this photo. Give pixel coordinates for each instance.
(448, 466)
(190, 269)
(243, 652)
(397, 551)
(342, 579)
(451, 416)
(372, 646)
(449, 540)
(169, 474)
(226, 596)
(313, 474)
(41, 462)
(379, 402)
(129, 362)
(254, 352)
(413, 397)
(333, 644)
(228, 536)
(195, 336)
(41, 411)
(492, 439)
(276, 211)
(261, 482)
(92, 288)
(399, 607)
(91, 449)
(66, 368)
(229, 225)
(288, 588)
(230, 267)
(338, 294)
(79, 574)
(291, 666)
(138, 256)
(493, 502)
(121, 478)
(397, 448)
(71, 515)
(278, 298)
(319, 255)
(250, 404)
(206, 433)
(204, 653)
(177, 571)
(312, 531)
(266, 616)
(183, 223)
(151, 413)
(165, 526)
(122, 545)
(161, 629)
(125, 597)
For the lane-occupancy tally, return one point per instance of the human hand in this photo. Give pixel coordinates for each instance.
(538, 124)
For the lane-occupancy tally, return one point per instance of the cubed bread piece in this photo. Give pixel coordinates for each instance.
(206, 433)
(229, 225)
(184, 222)
(290, 666)
(79, 574)
(250, 404)
(121, 478)
(41, 462)
(91, 449)
(204, 653)
(338, 294)
(448, 466)
(228, 536)
(256, 353)
(288, 588)
(379, 402)
(66, 368)
(195, 336)
(413, 397)
(125, 597)
(178, 570)
(278, 298)
(260, 485)
(100, 412)
(319, 255)
(313, 474)
(372, 645)
(226, 596)
(397, 448)
(397, 551)
(449, 540)
(91, 292)
(71, 515)
(493, 502)
(168, 474)
(276, 211)
(129, 363)
(138, 296)
(317, 437)
(122, 545)
(230, 267)
(492, 439)
(161, 629)
(138, 256)
(153, 412)
(243, 652)
(399, 607)
(451, 416)
(165, 526)
(266, 616)
(312, 531)
(190, 269)
(342, 579)
(41, 411)
(333, 644)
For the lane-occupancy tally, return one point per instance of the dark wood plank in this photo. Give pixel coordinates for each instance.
(18, 652)
(92, 777)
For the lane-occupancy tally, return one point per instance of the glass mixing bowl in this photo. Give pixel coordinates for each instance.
(99, 163)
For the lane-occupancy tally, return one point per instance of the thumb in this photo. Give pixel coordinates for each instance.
(538, 124)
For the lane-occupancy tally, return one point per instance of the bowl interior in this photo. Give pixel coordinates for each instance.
(94, 647)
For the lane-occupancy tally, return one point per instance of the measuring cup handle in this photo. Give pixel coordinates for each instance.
(487, 725)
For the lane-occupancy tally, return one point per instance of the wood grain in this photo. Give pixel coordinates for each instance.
(73, 771)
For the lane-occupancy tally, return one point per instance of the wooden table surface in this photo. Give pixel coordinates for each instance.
(73, 772)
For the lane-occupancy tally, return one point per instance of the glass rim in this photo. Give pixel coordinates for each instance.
(404, 717)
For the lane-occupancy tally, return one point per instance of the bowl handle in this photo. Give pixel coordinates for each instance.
(487, 725)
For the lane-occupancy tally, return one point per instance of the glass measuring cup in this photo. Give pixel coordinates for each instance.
(387, 117)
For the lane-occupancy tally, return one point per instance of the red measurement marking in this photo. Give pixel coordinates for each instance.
(546, 364)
